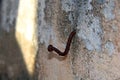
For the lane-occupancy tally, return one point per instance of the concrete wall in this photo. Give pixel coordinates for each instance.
(29, 26)
(94, 54)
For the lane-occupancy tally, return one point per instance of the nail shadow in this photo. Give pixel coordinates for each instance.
(52, 55)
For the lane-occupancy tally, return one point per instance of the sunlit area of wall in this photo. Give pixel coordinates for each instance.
(26, 32)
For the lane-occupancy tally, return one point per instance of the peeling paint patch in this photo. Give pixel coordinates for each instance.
(45, 31)
(108, 10)
(109, 46)
(74, 7)
(90, 32)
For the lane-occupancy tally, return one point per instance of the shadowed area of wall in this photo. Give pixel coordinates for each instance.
(12, 64)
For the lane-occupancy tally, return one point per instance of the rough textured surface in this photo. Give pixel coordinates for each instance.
(95, 50)
(94, 54)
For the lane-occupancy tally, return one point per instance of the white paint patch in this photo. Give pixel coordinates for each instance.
(90, 32)
(73, 6)
(89, 26)
(45, 30)
(109, 46)
(108, 10)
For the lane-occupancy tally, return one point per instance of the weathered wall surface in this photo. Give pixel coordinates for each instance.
(94, 54)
